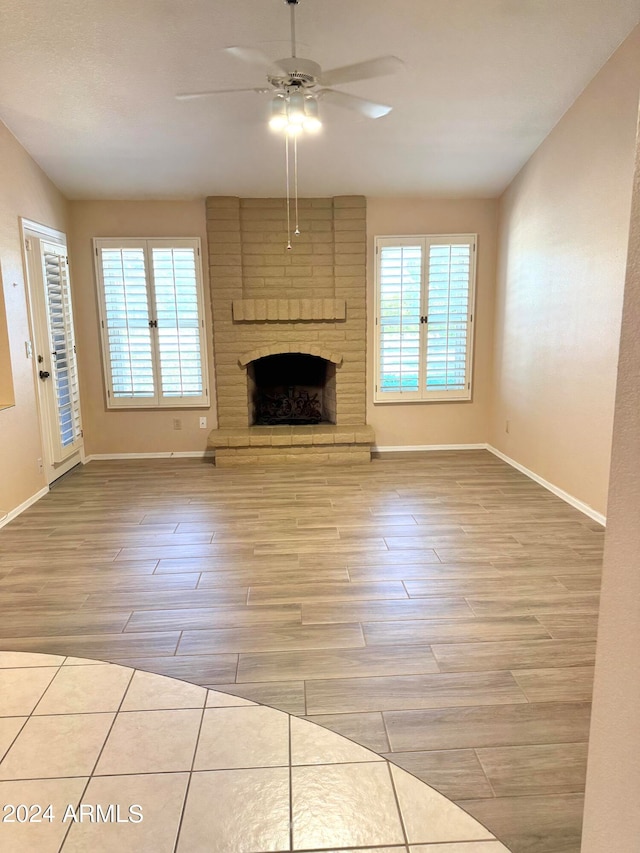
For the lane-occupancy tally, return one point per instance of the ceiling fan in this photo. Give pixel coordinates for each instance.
(297, 84)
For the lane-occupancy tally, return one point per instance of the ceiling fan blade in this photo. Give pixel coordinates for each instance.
(190, 96)
(361, 71)
(255, 57)
(360, 105)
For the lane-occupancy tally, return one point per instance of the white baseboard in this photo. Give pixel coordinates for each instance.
(416, 448)
(556, 490)
(25, 505)
(427, 447)
(169, 454)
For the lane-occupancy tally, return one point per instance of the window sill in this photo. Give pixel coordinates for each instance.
(467, 398)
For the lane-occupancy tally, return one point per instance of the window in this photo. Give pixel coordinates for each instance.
(424, 317)
(152, 319)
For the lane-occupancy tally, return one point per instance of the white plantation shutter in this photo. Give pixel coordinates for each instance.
(425, 290)
(179, 328)
(399, 318)
(448, 316)
(66, 396)
(152, 317)
(126, 323)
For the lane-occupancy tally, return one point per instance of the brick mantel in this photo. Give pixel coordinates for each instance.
(288, 310)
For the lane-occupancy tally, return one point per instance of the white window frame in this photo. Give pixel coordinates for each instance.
(421, 394)
(159, 401)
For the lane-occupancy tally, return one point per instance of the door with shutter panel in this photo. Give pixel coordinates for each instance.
(55, 356)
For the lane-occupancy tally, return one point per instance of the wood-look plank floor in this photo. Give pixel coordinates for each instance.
(440, 610)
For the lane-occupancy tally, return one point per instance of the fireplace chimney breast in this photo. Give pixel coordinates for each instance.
(267, 300)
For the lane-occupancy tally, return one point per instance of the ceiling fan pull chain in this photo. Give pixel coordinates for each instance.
(286, 160)
(292, 6)
(295, 181)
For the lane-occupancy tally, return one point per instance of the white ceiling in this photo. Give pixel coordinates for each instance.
(88, 87)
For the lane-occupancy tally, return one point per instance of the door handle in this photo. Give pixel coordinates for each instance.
(44, 374)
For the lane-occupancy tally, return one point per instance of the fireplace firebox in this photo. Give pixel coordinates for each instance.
(291, 388)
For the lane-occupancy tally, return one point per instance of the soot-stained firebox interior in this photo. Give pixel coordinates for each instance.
(291, 388)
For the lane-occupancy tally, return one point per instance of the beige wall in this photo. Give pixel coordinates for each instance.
(130, 431)
(395, 424)
(612, 816)
(24, 191)
(418, 424)
(563, 240)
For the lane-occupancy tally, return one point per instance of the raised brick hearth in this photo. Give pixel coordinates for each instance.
(268, 300)
(263, 445)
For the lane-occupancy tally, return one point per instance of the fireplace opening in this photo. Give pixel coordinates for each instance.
(291, 388)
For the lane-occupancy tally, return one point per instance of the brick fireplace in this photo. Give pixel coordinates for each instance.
(269, 302)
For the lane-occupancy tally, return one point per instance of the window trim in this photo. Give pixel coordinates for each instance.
(421, 394)
(147, 244)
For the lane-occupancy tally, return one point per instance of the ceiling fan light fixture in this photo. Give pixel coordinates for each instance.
(279, 119)
(293, 113)
(294, 86)
(312, 121)
(295, 109)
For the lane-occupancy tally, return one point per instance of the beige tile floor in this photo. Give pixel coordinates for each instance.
(90, 747)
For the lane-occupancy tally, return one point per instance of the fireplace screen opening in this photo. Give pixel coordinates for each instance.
(291, 388)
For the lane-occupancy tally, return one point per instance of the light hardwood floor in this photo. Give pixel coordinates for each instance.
(439, 609)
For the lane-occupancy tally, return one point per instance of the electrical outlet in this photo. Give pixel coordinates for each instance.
(203, 423)
(177, 423)
(507, 425)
